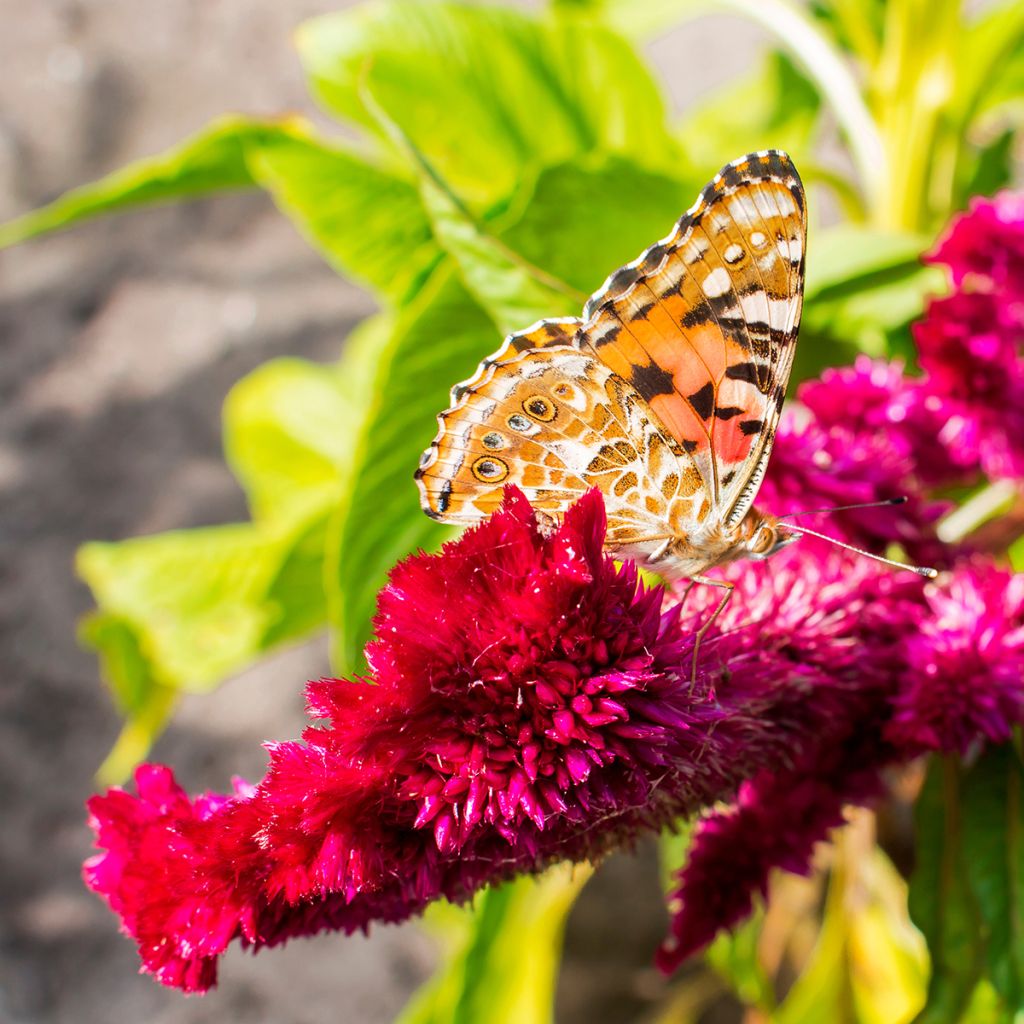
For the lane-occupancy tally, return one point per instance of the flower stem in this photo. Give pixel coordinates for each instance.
(987, 503)
(913, 82)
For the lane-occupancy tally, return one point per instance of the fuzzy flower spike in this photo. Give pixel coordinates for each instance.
(531, 703)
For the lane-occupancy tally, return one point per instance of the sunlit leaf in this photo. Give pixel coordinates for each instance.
(366, 219)
(514, 292)
(985, 169)
(821, 992)
(856, 25)
(436, 341)
(869, 964)
(735, 956)
(211, 161)
(503, 954)
(197, 600)
(888, 959)
(579, 224)
(990, 69)
(864, 288)
(288, 429)
(583, 220)
(488, 93)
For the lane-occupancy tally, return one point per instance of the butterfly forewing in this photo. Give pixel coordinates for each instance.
(666, 395)
(704, 323)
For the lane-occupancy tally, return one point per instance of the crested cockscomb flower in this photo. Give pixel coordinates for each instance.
(968, 347)
(984, 247)
(919, 427)
(774, 824)
(965, 666)
(531, 702)
(970, 343)
(525, 690)
(850, 440)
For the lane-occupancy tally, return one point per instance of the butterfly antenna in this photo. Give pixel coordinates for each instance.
(929, 574)
(846, 508)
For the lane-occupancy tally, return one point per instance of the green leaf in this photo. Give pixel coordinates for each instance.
(990, 68)
(512, 291)
(993, 840)
(367, 220)
(436, 341)
(198, 602)
(211, 161)
(580, 222)
(864, 287)
(502, 964)
(857, 25)
(488, 93)
(821, 991)
(984, 169)
(124, 665)
(288, 429)
(942, 903)
(180, 611)
(868, 964)
(888, 959)
(585, 219)
(735, 956)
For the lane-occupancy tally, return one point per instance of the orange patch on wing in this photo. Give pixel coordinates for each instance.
(731, 443)
(680, 420)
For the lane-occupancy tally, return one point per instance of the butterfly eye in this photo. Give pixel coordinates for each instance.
(494, 441)
(539, 408)
(490, 471)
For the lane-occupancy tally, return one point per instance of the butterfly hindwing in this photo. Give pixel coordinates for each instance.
(555, 423)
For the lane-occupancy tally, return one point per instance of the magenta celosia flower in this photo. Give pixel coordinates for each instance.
(970, 343)
(774, 824)
(965, 678)
(984, 247)
(968, 347)
(920, 427)
(852, 439)
(532, 702)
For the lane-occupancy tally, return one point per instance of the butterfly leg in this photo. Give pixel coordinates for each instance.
(719, 608)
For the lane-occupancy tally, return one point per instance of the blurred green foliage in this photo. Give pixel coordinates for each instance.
(504, 163)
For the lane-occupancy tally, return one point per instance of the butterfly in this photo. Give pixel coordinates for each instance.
(665, 394)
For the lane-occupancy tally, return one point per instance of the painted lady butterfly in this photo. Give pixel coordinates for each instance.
(665, 394)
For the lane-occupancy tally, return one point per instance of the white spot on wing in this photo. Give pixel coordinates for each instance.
(742, 208)
(717, 283)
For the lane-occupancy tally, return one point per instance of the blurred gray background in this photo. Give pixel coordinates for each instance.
(118, 342)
